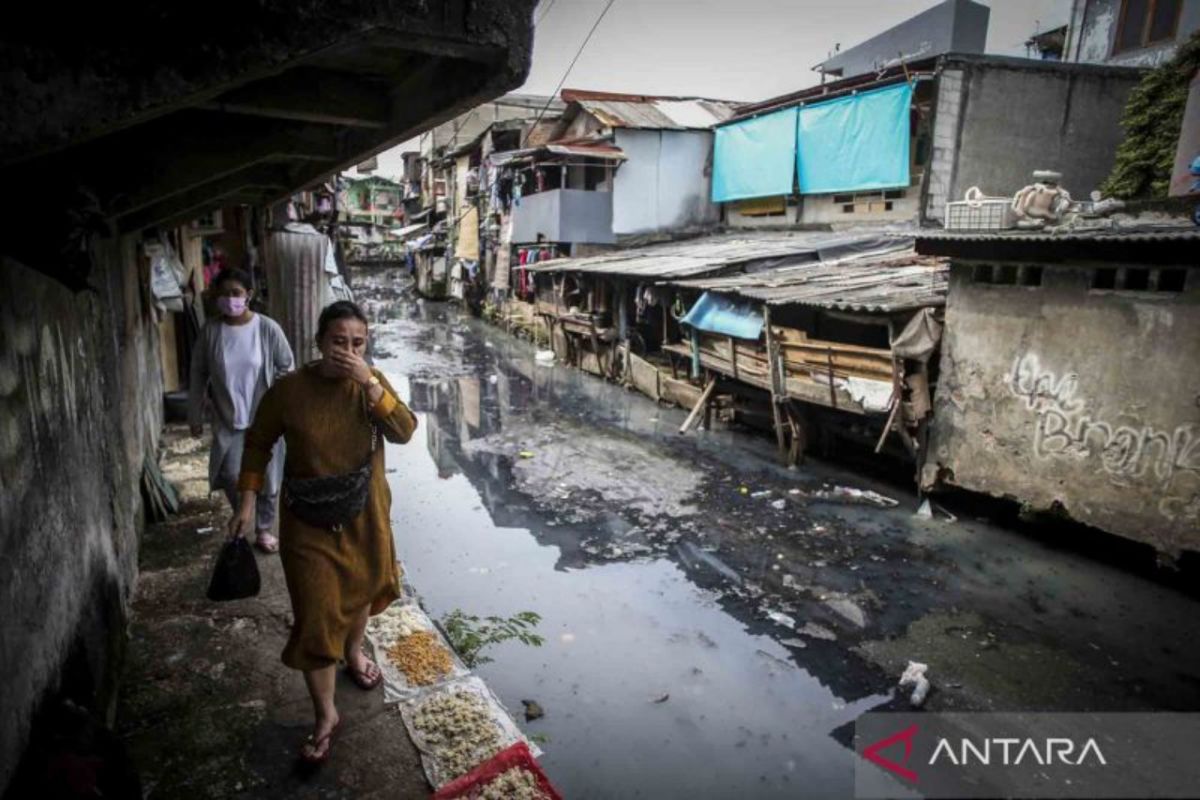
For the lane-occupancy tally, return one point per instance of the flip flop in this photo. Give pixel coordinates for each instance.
(316, 744)
(266, 542)
(361, 680)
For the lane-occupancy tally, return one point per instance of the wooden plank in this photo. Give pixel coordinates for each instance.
(773, 360)
(679, 392)
(700, 405)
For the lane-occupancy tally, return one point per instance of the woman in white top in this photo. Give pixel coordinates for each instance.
(236, 359)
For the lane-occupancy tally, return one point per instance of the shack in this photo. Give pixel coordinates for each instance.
(1070, 376)
(840, 345)
(609, 313)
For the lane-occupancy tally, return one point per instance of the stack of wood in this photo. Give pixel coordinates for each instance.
(804, 355)
(808, 364)
(747, 360)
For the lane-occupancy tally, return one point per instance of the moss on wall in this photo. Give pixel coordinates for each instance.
(1152, 119)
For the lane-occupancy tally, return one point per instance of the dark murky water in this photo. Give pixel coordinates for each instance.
(662, 568)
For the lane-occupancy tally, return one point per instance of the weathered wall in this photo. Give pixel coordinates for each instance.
(826, 209)
(664, 184)
(998, 120)
(1094, 32)
(564, 215)
(1061, 395)
(80, 406)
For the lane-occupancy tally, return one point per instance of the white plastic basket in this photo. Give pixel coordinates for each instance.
(978, 212)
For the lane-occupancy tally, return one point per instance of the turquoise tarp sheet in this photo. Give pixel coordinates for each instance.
(855, 143)
(755, 158)
(715, 313)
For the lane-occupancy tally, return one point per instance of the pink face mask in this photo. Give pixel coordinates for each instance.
(231, 306)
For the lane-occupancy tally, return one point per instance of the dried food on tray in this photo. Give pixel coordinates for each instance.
(422, 657)
(397, 620)
(456, 726)
(512, 774)
(386, 630)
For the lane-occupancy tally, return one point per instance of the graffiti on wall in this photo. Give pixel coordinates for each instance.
(1064, 428)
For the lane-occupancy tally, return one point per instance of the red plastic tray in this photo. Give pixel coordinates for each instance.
(516, 756)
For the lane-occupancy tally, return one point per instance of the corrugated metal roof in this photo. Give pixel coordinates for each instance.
(1171, 233)
(898, 280)
(656, 113)
(707, 254)
(581, 148)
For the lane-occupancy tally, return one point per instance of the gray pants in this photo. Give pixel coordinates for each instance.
(227, 479)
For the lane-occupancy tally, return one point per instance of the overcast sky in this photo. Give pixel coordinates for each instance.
(729, 49)
(734, 49)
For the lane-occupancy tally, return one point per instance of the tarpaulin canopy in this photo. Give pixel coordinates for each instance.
(855, 143)
(715, 313)
(755, 158)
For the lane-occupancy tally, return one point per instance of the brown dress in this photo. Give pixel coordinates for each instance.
(330, 576)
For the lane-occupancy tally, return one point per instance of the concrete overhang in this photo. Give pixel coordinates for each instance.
(116, 127)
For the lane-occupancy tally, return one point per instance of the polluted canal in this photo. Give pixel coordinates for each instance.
(713, 623)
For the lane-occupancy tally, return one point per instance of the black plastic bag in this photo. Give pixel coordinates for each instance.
(236, 573)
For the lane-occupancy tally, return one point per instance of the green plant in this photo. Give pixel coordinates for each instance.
(469, 634)
(1152, 119)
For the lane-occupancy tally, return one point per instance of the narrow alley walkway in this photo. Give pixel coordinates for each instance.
(208, 710)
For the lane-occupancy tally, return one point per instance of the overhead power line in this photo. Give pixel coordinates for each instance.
(570, 67)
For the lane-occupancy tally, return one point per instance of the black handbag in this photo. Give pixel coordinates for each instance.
(236, 574)
(331, 501)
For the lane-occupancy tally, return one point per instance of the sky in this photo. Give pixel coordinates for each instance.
(729, 49)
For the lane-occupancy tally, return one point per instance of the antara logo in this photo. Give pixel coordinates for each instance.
(1014, 752)
(999, 751)
(871, 753)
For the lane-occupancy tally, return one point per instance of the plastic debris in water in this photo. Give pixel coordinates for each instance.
(914, 675)
(779, 618)
(526, 454)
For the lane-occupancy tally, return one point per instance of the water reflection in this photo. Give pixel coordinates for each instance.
(541, 489)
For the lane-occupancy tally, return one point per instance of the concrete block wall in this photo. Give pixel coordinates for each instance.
(947, 114)
(1048, 394)
(80, 407)
(999, 119)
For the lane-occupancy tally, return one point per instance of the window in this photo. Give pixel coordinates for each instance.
(1171, 280)
(1146, 22)
(1007, 275)
(1140, 279)
(868, 202)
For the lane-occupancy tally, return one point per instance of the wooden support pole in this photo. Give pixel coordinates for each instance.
(894, 406)
(773, 368)
(832, 388)
(700, 405)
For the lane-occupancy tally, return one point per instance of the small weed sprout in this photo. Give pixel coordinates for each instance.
(469, 634)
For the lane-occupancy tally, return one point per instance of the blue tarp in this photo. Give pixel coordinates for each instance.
(755, 158)
(855, 143)
(715, 313)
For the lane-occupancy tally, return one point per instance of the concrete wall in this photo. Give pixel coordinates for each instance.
(664, 184)
(1061, 395)
(958, 26)
(998, 119)
(564, 215)
(80, 406)
(1093, 34)
(821, 209)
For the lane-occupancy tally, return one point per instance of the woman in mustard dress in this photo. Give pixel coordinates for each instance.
(327, 413)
